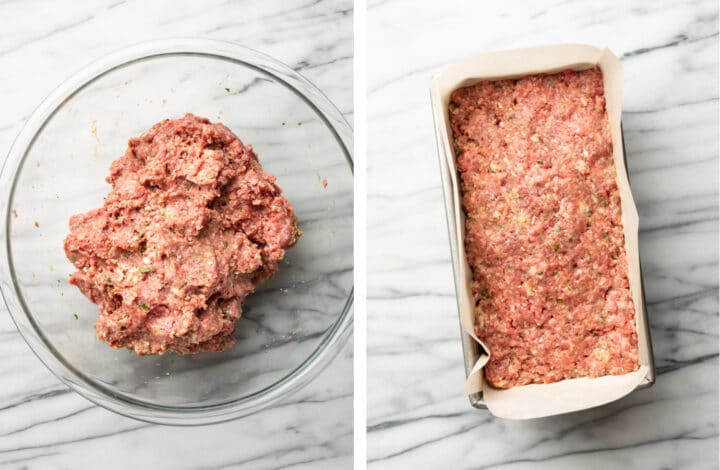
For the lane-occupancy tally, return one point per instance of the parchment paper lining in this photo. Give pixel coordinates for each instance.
(537, 400)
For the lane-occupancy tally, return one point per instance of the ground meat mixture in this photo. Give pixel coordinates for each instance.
(544, 233)
(191, 225)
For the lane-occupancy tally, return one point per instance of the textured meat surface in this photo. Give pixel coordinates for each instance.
(191, 225)
(544, 234)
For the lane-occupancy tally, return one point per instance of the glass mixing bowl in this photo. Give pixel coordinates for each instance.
(292, 326)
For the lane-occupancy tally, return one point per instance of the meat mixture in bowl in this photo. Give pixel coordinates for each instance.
(192, 224)
(544, 236)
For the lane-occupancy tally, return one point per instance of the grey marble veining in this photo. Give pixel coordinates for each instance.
(45, 425)
(417, 414)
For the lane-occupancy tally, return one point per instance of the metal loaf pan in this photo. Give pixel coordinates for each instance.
(471, 349)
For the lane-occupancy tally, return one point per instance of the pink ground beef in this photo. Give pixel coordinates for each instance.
(191, 225)
(544, 236)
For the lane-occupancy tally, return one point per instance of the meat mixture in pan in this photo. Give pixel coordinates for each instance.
(544, 235)
(191, 225)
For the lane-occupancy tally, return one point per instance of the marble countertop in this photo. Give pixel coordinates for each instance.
(42, 423)
(418, 416)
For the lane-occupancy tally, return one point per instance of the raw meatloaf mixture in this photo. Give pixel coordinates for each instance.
(544, 236)
(191, 225)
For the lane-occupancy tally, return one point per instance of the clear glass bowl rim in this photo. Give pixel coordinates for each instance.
(332, 341)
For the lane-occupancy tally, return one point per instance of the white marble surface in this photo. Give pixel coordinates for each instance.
(418, 416)
(42, 423)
